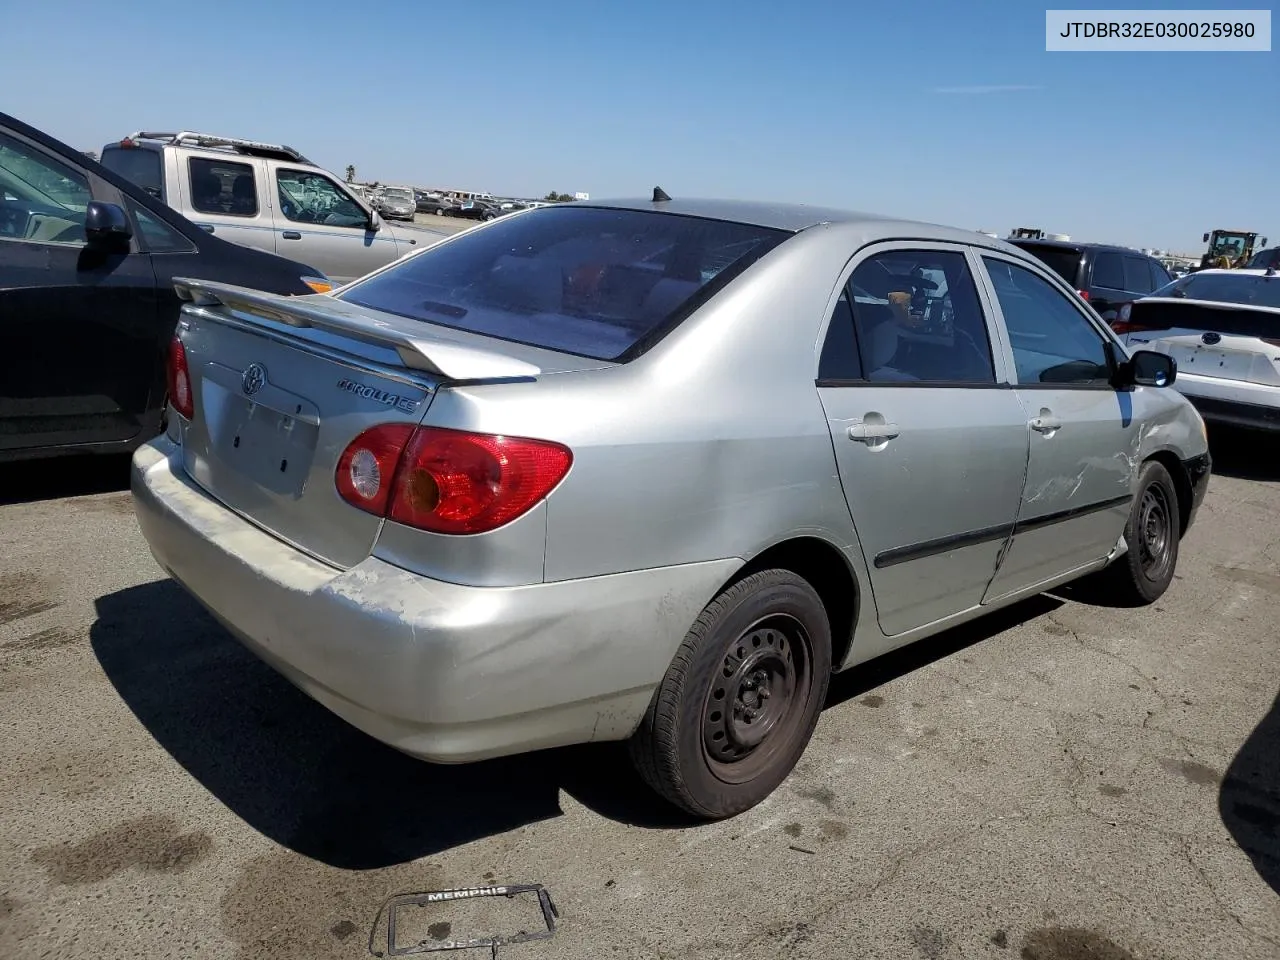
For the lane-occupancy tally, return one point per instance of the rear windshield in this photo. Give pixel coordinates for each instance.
(138, 166)
(594, 282)
(1064, 261)
(1246, 289)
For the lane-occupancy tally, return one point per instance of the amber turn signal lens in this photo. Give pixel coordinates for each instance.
(318, 285)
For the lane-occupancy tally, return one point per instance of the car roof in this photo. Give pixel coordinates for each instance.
(779, 216)
(796, 217)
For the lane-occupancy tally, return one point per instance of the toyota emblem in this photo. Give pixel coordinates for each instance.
(255, 375)
(1211, 338)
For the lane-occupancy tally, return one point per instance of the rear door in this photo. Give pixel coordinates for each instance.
(318, 223)
(1109, 281)
(78, 328)
(930, 443)
(1138, 278)
(1159, 275)
(1083, 433)
(226, 195)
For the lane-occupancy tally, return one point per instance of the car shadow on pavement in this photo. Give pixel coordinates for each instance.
(890, 666)
(309, 781)
(26, 481)
(306, 779)
(1244, 454)
(1249, 800)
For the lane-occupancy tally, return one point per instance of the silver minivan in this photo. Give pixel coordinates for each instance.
(266, 196)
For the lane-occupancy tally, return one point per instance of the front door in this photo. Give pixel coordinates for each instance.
(1083, 434)
(318, 224)
(930, 444)
(77, 326)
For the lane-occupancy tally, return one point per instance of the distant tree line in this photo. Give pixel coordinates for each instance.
(554, 197)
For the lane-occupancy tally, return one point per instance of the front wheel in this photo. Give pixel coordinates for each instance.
(739, 703)
(1144, 573)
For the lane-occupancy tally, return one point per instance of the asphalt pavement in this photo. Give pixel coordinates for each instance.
(1060, 782)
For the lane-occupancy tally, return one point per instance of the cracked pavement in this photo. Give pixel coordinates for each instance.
(1058, 782)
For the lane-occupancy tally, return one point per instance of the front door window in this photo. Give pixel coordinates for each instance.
(307, 197)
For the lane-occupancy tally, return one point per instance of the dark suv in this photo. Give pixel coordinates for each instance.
(1268, 259)
(1105, 275)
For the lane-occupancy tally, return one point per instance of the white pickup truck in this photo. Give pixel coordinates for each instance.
(266, 196)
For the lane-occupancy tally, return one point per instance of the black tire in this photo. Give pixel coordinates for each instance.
(1144, 573)
(762, 647)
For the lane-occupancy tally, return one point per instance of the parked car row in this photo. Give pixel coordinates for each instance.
(473, 209)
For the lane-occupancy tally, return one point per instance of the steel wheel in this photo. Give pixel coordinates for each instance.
(750, 711)
(1154, 532)
(741, 698)
(1154, 527)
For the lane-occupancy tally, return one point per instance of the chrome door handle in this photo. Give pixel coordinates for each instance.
(873, 431)
(1045, 424)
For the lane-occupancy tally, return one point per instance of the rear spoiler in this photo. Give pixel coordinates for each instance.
(442, 358)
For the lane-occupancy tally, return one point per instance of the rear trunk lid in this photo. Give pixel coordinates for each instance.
(1227, 340)
(282, 385)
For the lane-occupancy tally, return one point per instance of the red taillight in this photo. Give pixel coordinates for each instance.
(448, 481)
(1120, 327)
(179, 380)
(1084, 294)
(367, 468)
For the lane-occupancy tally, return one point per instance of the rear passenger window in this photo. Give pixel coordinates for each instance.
(223, 187)
(1137, 275)
(917, 318)
(839, 359)
(1108, 271)
(1052, 341)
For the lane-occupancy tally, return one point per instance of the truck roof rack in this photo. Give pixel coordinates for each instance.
(250, 148)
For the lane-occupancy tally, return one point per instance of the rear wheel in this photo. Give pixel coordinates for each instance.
(1144, 573)
(739, 703)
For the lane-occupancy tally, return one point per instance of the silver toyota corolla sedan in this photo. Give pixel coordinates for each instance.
(653, 471)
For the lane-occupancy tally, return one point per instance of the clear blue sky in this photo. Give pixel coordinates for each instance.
(833, 103)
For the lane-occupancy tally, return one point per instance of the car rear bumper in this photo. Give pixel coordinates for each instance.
(1236, 403)
(442, 671)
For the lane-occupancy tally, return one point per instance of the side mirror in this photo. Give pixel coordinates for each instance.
(1205, 238)
(106, 227)
(1147, 368)
(375, 221)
